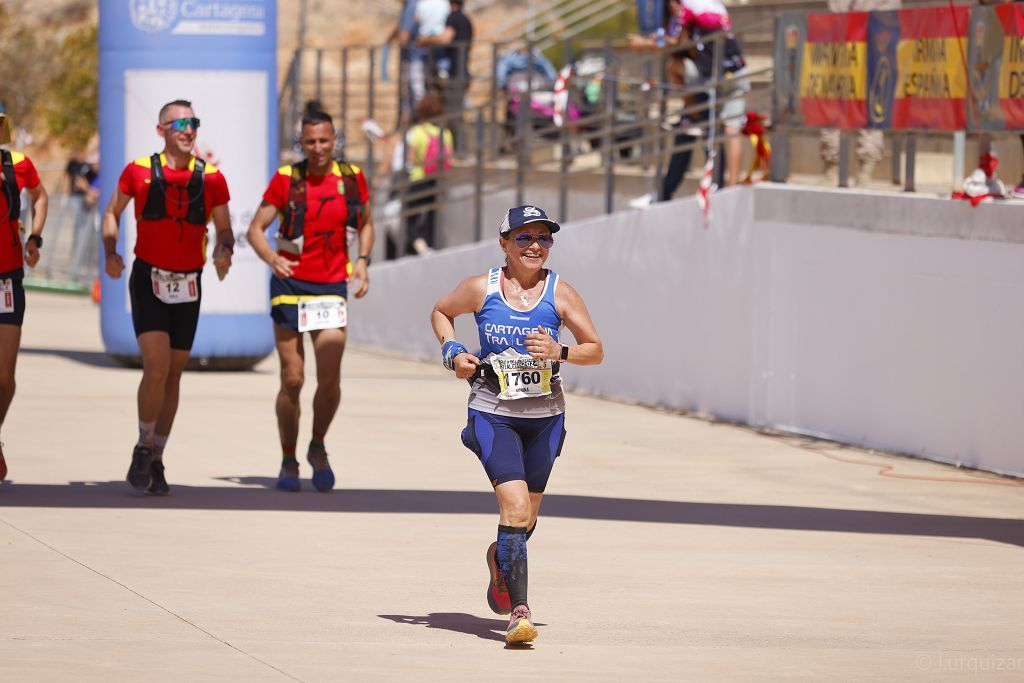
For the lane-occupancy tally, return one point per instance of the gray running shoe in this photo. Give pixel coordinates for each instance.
(520, 626)
(138, 474)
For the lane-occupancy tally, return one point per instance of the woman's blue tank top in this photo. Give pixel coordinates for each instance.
(501, 326)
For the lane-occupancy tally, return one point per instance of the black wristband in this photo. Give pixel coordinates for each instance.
(365, 258)
(37, 239)
(565, 352)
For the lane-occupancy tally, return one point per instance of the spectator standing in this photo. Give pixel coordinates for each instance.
(453, 73)
(870, 142)
(79, 177)
(425, 143)
(419, 17)
(702, 18)
(84, 253)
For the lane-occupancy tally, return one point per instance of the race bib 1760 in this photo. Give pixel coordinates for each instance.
(521, 376)
(322, 313)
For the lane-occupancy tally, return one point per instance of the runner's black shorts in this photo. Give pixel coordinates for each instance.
(285, 293)
(17, 316)
(149, 314)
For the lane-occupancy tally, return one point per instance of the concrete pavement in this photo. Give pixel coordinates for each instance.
(669, 548)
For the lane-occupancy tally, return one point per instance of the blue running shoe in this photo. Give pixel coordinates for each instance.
(323, 475)
(288, 479)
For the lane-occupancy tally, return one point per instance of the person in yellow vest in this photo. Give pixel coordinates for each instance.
(18, 174)
(428, 150)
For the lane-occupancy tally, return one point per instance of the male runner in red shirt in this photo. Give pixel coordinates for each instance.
(316, 198)
(18, 174)
(176, 195)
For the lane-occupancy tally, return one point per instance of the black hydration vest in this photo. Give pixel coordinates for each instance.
(11, 191)
(156, 199)
(293, 218)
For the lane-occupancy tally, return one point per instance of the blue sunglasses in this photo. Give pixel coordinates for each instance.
(525, 239)
(181, 125)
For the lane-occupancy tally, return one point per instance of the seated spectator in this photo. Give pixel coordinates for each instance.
(650, 16)
(669, 35)
(519, 60)
(453, 68)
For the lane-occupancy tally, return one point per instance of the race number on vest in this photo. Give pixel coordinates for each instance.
(175, 288)
(521, 376)
(322, 313)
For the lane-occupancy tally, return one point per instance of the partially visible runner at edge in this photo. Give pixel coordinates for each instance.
(316, 199)
(516, 423)
(17, 173)
(176, 195)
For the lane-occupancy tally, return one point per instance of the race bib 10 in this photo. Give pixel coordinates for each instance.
(322, 313)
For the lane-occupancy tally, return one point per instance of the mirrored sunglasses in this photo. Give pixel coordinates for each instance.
(181, 125)
(525, 239)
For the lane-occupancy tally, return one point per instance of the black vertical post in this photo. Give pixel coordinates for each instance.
(494, 100)
(478, 179)
(844, 159)
(660, 135)
(344, 89)
(565, 155)
(369, 111)
(780, 157)
(296, 89)
(319, 72)
(610, 92)
(911, 153)
(717, 50)
(897, 152)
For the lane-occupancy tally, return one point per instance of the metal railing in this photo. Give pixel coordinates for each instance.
(632, 129)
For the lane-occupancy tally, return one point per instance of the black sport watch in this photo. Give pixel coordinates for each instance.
(37, 239)
(365, 258)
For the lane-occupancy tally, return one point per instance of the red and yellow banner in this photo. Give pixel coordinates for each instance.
(1011, 72)
(833, 77)
(931, 86)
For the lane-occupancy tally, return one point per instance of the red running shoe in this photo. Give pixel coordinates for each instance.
(497, 592)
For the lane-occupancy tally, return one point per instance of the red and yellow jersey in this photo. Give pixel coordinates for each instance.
(11, 248)
(324, 255)
(172, 243)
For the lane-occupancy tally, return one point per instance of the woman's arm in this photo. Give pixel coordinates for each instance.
(465, 298)
(588, 349)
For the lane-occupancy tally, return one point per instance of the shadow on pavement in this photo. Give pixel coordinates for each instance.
(459, 622)
(251, 493)
(94, 358)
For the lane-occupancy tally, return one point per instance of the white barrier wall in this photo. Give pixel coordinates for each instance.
(888, 321)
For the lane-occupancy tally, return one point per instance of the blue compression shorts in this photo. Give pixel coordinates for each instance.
(515, 448)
